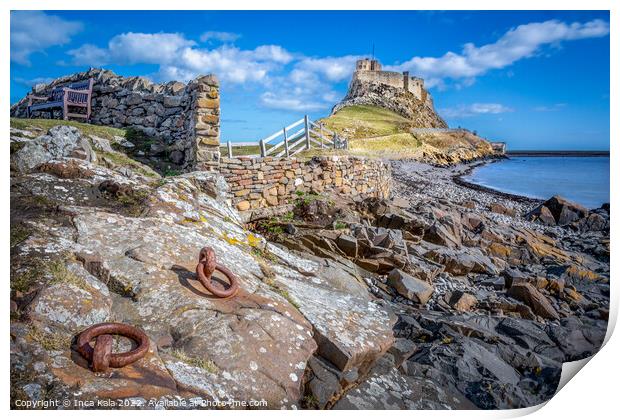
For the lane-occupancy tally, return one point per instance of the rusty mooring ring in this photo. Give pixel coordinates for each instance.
(101, 357)
(205, 268)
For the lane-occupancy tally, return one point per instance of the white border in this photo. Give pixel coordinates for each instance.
(592, 395)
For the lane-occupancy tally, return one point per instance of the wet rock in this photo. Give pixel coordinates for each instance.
(388, 389)
(528, 294)
(410, 287)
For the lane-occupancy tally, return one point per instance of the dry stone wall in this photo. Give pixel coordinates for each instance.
(184, 116)
(259, 184)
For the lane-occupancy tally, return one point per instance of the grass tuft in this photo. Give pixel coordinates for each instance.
(61, 274)
(87, 129)
(19, 233)
(205, 364)
(123, 160)
(50, 341)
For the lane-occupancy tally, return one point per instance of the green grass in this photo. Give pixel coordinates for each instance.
(362, 121)
(240, 150)
(55, 341)
(123, 160)
(19, 233)
(24, 280)
(61, 274)
(87, 129)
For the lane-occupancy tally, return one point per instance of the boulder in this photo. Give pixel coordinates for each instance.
(501, 209)
(515, 276)
(443, 234)
(348, 245)
(461, 301)
(562, 211)
(462, 262)
(402, 349)
(413, 289)
(528, 294)
(61, 141)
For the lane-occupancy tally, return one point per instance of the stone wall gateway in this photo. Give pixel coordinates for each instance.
(184, 117)
(260, 184)
(205, 121)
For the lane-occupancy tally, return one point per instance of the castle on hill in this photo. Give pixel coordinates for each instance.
(397, 92)
(369, 70)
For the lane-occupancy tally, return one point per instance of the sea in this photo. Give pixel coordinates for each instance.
(583, 179)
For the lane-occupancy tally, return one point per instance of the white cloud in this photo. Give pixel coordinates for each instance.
(35, 31)
(180, 59)
(272, 53)
(463, 111)
(132, 48)
(308, 86)
(334, 69)
(521, 42)
(219, 36)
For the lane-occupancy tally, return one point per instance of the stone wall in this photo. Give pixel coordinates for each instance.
(184, 117)
(259, 183)
(414, 85)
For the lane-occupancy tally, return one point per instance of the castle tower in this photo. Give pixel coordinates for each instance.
(367, 64)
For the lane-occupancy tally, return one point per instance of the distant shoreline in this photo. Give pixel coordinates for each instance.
(559, 153)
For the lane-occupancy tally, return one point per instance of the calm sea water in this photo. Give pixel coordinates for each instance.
(584, 180)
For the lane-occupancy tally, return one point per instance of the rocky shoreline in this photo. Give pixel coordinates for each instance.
(441, 297)
(489, 302)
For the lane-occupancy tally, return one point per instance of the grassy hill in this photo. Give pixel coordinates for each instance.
(378, 132)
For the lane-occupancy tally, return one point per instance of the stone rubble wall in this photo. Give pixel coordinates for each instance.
(259, 183)
(184, 117)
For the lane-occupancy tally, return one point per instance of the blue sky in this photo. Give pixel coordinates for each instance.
(535, 79)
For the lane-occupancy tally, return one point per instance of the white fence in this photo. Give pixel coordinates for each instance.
(297, 137)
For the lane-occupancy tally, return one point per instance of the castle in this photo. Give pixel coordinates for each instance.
(397, 92)
(367, 70)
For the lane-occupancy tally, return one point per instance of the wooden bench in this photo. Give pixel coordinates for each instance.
(74, 95)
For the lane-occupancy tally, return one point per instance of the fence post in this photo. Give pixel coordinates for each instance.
(285, 141)
(263, 152)
(321, 135)
(229, 145)
(335, 140)
(307, 129)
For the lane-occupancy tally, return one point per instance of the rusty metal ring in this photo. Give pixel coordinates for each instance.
(101, 357)
(205, 268)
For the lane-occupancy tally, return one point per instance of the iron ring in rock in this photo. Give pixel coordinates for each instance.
(205, 268)
(101, 357)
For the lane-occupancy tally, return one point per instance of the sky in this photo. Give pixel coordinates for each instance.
(534, 79)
